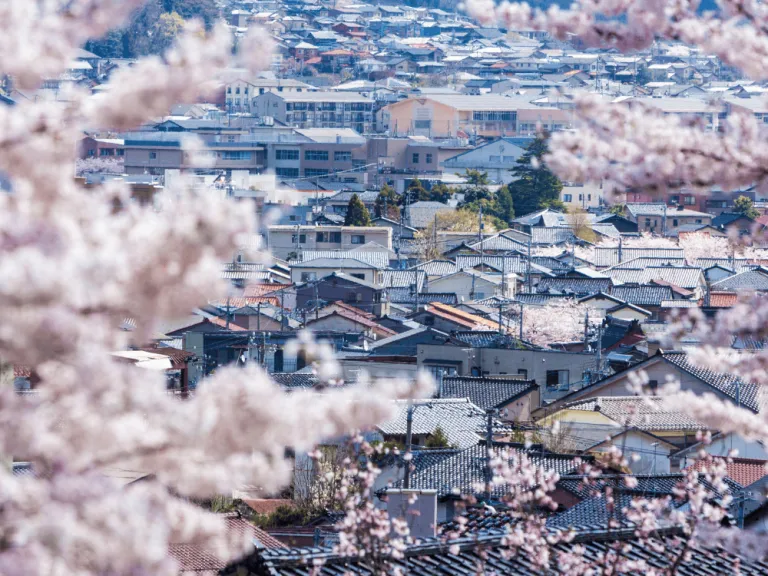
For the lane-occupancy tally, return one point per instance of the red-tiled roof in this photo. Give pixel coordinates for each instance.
(745, 471)
(195, 558)
(355, 316)
(722, 299)
(223, 324)
(255, 290)
(21, 371)
(267, 505)
(675, 288)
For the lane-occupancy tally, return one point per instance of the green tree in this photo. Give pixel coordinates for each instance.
(617, 209)
(108, 46)
(476, 187)
(415, 192)
(357, 213)
(744, 205)
(386, 204)
(440, 193)
(505, 205)
(437, 439)
(535, 185)
(165, 31)
(206, 10)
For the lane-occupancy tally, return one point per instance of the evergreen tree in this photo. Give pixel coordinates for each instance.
(744, 205)
(386, 204)
(535, 186)
(476, 187)
(440, 193)
(357, 213)
(415, 192)
(505, 205)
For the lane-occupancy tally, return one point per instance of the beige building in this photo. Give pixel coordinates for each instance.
(282, 240)
(322, 267)
(450, 116)
(240, 93)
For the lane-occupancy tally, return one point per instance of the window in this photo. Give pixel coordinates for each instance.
(261, 90)
(589, 197)
(328, 237)
(106, 152)
(436, 371)
(315, 172)
(292, 218)
(429, 158)
(236, 155)
(342, 156)
(690, 200)
(647, 221)
(581, 196)
(302, 239)
(522, 372)
(152, 155)
(429, 320)
(308, 276)
(698, 220)
(287, 172)
(556, 378)
(279, 88)
(567, 198)
(494, 159)
(494, 116)
(318, 155)
(358, 239)
(508, 159)
(415, 158)
(286, 154)
(674, 222)
(229, 90)
(358, 276)
(237, 90)
(653, 384)
(120, 152)
(246, 90)
(422, 124)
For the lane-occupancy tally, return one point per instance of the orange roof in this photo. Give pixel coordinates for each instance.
(341, 304)
(355, 316)
(460, 317)
(254, 290)
(722, 299)
(220, 322)
(267, 505)
(745, 471)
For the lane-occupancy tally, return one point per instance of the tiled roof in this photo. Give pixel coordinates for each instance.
(683, 276)
(725, 383)
(406, 296)
(591, 511)
(403, 278)
(645, 413)
(471, 321)
(722, 299)
(194, 558)
(490, 550)
(290, 380)
(335, 263)
(497, 243)
(461, 473)
(257, 290)
(437, 267)
(643, 295)
(548, 236)
(644, 261)
(574, 286)
(609, 256)
(542, 299)
(485, 392)
(459, 419)
(422, 214)
(509, 263)
(756, 279)
(744, 471)
(659, 209)
(377, 259)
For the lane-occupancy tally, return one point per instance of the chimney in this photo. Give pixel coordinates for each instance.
(421, 515)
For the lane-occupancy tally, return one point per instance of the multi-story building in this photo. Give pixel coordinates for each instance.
(317, 109)
(283, 240)
(239, 94)
(449, 116)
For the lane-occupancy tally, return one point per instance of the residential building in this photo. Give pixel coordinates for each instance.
(317, 109)
(284, 240)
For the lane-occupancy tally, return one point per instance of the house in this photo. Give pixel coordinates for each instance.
(737, 222)
(342, 317)
(341, 287)
(469, 285)
(661, 219)
(421, 214)
(284, 240)
(643, 426)
(447, 318)
(497, 158)
(513, 397)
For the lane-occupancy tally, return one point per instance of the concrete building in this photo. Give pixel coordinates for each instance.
(283, 240)
(317, 109)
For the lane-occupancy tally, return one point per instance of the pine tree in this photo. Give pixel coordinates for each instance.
(386, 204)
(357, 213)
(744, 205)
(535, 186)
(505, 205)
(415, 192)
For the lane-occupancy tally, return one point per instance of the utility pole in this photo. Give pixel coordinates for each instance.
(599, 347)
(488, 454)
(528, 266)
(521, 321)
(408, 445)
(501, 317)
(282, 310)
(258, 316)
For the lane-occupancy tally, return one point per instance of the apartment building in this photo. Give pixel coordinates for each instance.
(317, 109)
(449, 116)
(317, 153)
(239, 95)
(283, 240)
